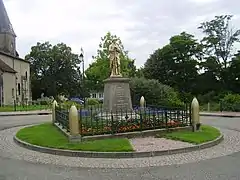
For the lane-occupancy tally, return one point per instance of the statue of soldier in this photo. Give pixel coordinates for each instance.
(114, 56)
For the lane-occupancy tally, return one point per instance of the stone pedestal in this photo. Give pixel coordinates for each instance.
(117, 95)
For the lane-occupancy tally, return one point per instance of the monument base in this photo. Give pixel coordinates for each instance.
(117, 97)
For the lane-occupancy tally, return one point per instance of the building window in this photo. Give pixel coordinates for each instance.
(19, 90)
(13, 92)
(26, 75)
(94, 95)
(100, 95)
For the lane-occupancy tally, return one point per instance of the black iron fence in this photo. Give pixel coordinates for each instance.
(62, 116)
(93, 120)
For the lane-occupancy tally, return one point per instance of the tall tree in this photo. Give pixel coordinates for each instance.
(176, 63)
(139, 72)
(234, 73)
(218, 46)
(220, 38)
(100, 68)
(54, 70)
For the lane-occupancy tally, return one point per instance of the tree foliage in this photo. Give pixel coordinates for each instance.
(218, 44)
(234, 73)
(220, 38)
(207, 68)
(53, 70)
(176, 63)
(154, 92)
(99, 70)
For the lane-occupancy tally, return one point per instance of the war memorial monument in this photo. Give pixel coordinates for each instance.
(116, 88)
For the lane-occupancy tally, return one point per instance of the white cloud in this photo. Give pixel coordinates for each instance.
(142, 25)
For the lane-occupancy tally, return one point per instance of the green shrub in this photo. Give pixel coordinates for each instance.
(68, 104)
(155, 93)
(92, 101)
(44, 101)
(213, 106)
(231, 102)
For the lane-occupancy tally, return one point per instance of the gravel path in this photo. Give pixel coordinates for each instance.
(9, 149)
(156, 144)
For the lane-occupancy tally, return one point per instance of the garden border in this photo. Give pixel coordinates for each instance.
(145, 133)
(92, 154)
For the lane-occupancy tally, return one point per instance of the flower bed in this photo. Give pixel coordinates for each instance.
(97, 122)
(128, 126)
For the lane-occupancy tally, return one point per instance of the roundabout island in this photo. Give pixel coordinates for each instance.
(230, 145)
(48, 139)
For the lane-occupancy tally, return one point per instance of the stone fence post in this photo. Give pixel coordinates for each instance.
(73, 121)
(142, 103)
(54, 105)
(195, 114)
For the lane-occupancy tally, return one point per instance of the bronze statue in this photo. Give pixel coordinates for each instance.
(114, 56)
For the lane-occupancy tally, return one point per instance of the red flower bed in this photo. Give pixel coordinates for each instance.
(128, 126)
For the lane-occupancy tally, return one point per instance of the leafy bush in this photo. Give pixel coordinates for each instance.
(155, 93)
(68, 104)
(44, 101)
(92, 101)
(61, 98)
(214, 106)
(231, 102)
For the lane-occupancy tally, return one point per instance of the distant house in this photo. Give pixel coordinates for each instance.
(14, 71)
(97, 95)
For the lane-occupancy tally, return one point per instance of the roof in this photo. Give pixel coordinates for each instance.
(5, 24)
(6, 68)
(15, 57)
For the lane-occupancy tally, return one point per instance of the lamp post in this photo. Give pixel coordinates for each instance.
(82, 60)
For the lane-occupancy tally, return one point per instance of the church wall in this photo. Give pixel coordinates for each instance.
(23, 70)
(7, 60)
(2, 41)
(20, 80)
(7, 43)
(9, 90)
(21, 67)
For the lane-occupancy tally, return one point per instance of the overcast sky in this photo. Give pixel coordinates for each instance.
(142, 25)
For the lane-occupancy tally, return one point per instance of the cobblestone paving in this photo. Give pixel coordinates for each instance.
(156, 144)
(9, 149)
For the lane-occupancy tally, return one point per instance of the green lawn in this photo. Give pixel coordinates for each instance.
(48, 135)
(23, 108)
(206, 133)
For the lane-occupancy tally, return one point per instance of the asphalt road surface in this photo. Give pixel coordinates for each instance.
(222, 168)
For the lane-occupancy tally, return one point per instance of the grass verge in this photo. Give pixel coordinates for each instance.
(24, 108)
(47, 135)
(206, 133)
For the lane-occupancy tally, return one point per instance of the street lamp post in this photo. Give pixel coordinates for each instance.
(82, 60)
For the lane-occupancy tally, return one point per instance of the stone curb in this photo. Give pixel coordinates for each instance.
(220, 115)
(89, 154)
(26, 114)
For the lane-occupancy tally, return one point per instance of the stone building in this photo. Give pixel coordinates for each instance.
(14, 71)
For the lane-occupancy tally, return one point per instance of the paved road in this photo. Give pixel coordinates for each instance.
(223, 168)
(13, 121)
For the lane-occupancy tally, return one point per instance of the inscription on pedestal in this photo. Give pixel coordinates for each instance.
(121, 101)
(117, 95)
